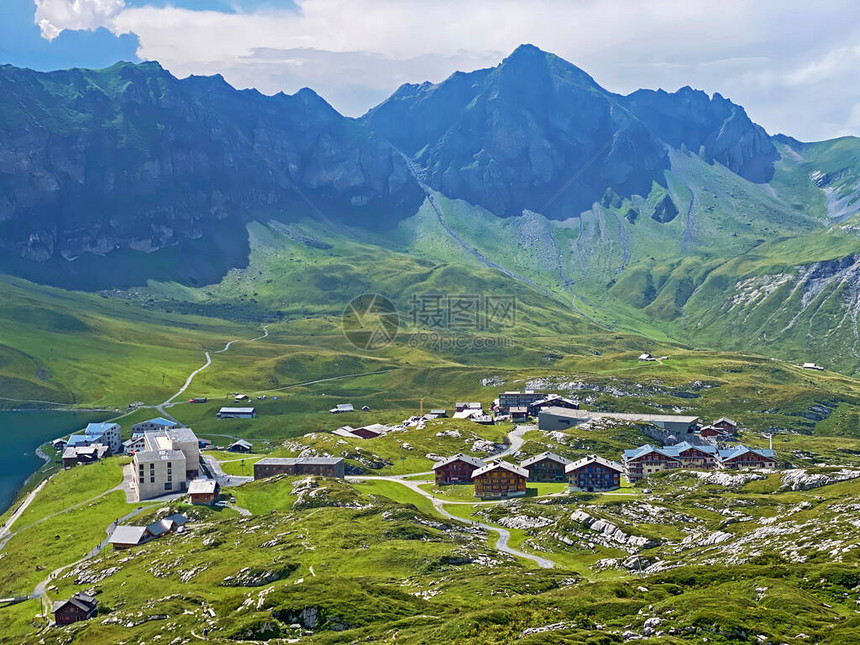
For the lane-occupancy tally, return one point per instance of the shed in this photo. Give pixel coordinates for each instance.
(124, 537)
(237, 413)
(240, 446)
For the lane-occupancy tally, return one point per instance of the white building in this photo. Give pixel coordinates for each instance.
(103, 433)
(169, 458)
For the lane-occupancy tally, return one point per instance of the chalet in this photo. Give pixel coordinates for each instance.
(726, 425)
(125, 537)
(59, 444)
(462, 406)
(500, 479)
(241, 397)
(552, 401)
(370, 432)
(743, 457)
(812, 366)
(72, 456)
(439, 414)
(457, 469)
(593, 473)
(153, 425)
(646, 460)
(712, 434)
(321, 466)
(204, 491)
(519, 413)
(137, 442)
(690, 456)
(240, 446)
(365, 408)
(546, 467)
(237, 413)
(340, 408)
(484, 419)
(79, 607)
(646, 357)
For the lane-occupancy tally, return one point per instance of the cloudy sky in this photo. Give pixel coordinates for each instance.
(794, 65)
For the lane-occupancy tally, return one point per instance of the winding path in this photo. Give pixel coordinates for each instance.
(188, 381)
(516, 439)
(439, 505)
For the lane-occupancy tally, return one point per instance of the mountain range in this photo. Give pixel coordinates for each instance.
(670, 214)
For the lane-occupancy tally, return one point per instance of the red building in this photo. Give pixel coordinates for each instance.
(546, 467)
(500, 479)
(594, 474)
(456, 470)
(726, 425)
(646, 460)
(204, 491)
(79, 607)
(370, 432)
(744, 457)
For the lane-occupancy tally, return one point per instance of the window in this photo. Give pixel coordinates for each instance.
(168, 486)
(151, 480)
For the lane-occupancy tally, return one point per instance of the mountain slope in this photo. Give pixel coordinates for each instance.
(129, 158)
(538, 133)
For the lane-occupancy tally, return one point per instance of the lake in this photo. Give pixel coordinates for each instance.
(20, 434)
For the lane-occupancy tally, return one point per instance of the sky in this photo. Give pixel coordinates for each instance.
(793, 65)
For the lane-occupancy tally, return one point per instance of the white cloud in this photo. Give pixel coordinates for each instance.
(55, 16)
(778, 58)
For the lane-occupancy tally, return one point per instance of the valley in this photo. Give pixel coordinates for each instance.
(171, 247)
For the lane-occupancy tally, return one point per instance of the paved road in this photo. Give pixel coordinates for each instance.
(438, 504)
(5, 530)
(220, 476)
(516, 439)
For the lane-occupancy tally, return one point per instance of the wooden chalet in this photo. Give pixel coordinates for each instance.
(743, 457)
(500, 479)
(593, 473)
(551, 401)
(79, 607)
(690, 456)
(457, 469)
(647, 460)
(726, 425)
(204, 491)
(546, 467)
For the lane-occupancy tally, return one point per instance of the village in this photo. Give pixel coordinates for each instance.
(169, 461)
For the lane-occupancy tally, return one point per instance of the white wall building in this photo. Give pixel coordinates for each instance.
(167, 461)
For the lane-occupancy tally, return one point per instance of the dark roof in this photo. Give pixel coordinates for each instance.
(80, 600)
(593, 459)
(545, 455)
(472, 461)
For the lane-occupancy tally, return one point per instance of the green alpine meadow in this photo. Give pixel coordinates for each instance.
(504, 357)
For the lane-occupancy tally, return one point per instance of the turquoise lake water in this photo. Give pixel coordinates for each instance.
(20, 434)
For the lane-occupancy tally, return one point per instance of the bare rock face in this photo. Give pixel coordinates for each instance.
(131, 158)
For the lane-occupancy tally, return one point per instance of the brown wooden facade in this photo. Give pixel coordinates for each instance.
(498, 482)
